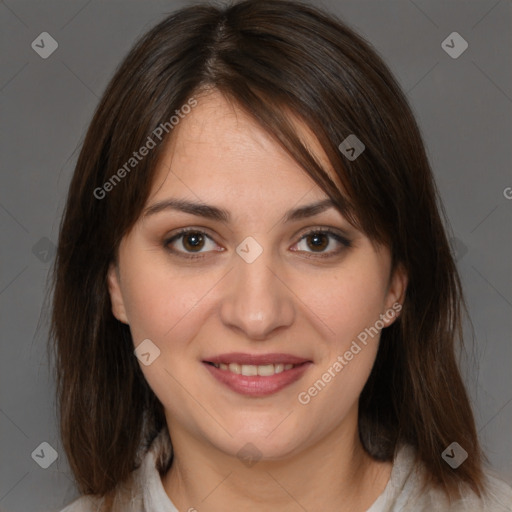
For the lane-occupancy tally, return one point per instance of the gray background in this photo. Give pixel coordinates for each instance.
(464, 108)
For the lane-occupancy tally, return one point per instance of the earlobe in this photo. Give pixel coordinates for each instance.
(116, 296)
(396, 292)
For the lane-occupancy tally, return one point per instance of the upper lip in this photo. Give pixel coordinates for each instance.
(256, 359)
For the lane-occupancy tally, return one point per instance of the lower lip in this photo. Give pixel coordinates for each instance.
(257, 386)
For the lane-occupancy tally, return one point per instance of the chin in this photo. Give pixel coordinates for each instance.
(269, 438)
(255, 448)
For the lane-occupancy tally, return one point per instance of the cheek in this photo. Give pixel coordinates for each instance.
(350, 305)
(164, 307)
(159, 302)
(346, 303)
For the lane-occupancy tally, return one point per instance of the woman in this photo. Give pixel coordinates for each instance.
(255, 304)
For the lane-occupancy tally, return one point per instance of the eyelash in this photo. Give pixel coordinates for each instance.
(191, 256)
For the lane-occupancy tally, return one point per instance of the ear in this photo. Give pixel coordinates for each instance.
(396, 293)
(116, 296)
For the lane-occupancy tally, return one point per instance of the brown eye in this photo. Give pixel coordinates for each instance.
(190, 243)
(193, 241)
(325, 243)
(318, 241)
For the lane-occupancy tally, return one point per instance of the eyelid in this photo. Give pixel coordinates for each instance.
(179, 234)
(335, 233)
(338, 232)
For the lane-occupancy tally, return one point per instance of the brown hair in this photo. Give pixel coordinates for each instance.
(271, 58)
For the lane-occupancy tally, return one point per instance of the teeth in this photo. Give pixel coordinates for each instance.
(251, 370)
(235, 368)
(266, 370)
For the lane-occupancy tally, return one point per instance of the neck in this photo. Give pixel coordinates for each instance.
(333, 474)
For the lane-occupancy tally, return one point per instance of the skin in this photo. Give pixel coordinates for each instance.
(311, 456)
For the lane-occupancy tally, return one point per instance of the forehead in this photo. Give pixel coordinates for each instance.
(218, 146)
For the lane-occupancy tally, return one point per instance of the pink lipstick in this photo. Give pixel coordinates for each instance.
(256, 375)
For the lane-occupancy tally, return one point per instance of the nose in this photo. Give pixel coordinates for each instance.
(257, 301)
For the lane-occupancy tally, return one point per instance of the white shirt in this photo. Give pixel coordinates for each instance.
(402, 493)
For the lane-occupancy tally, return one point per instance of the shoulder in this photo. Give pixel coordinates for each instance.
(405, 491)
(497, 498)
(499, 493)
(142, 490)
(84, 504)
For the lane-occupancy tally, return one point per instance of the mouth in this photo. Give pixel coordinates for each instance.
(251, 370)
(256, 375)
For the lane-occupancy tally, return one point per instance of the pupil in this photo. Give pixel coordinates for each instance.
(317, 239)
(193, 241)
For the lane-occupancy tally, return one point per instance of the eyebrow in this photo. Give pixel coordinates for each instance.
(219, 214)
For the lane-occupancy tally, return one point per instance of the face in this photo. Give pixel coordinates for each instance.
(251, 308)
